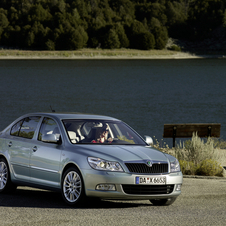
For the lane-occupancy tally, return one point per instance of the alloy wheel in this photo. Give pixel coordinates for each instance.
(72, 187)
(3, 175)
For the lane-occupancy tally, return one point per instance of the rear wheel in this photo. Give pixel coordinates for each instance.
(5, 182)
(72, 187)
(163, 202)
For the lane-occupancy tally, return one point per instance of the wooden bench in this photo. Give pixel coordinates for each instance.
(186, 130)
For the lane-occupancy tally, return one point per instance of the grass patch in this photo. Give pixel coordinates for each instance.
(89, 53)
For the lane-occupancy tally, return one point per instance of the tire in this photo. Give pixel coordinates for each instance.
(163, 202)
(5, 182)
(72, 188)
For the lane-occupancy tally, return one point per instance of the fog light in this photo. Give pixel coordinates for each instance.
(106, 187)
(178, 187)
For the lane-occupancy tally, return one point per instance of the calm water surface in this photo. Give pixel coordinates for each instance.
(146, 94)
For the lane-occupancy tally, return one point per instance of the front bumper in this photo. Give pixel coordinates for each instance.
(94, 177)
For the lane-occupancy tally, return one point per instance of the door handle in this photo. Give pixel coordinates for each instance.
(10, 144)
(35, 149)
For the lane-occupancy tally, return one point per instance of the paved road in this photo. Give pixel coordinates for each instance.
(202, 202)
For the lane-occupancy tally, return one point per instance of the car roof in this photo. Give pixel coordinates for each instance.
(63, 116)
(71, 115)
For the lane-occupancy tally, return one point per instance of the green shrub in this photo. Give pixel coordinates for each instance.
(198, 157)
(195, 150)
(210, 167)
(187, 168)
(175, 48)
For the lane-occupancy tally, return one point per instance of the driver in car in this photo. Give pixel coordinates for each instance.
(102, 135)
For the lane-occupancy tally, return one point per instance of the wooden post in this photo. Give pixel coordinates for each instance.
(174, 135)
(209, 131)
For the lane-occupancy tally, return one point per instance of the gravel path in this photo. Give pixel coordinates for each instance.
(202, 202)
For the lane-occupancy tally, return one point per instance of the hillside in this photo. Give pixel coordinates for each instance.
(113, 24)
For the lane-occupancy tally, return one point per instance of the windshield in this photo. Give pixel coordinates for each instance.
(101, 132)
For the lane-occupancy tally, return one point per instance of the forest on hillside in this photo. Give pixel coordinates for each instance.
(107, 24)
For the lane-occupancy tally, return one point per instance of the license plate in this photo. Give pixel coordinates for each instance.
(150, 180)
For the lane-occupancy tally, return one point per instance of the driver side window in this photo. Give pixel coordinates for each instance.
(49, 126)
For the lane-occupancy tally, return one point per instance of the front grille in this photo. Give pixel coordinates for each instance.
(147, 189)
(143, 168)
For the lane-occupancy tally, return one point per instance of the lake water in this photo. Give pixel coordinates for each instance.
(146, 94)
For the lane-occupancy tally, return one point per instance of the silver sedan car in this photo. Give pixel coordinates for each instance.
(85, 156)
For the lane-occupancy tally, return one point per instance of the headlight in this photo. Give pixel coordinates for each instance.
(101, 164)
(175, 166)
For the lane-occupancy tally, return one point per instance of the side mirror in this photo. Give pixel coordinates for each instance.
(148, 140)
(50, 138)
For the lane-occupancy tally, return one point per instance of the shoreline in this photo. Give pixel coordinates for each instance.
(98, 54)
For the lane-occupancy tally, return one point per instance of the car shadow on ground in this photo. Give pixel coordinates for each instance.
(48, 199)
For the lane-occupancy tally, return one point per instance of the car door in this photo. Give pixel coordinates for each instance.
(20, 143)
(45, 157)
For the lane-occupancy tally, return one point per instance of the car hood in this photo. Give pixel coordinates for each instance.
(124, 152)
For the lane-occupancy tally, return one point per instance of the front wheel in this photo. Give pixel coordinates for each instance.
(5, 182)
(163, 202)
(72, 187)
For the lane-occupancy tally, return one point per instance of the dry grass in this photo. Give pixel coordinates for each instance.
(196, 152)
(94, 54)
(221, 156)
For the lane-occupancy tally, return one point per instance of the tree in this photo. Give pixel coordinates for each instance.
(38, 13)
(3, 19)
(75, 40)
(39, 35)
(124, 9)
(50, 45)
(161, 37)
(134, 32)
(73, 24)
(145, 41)
(177, 14)
(84, 35)
(204, 16)
(120, 31)
(111, 40)
(158, 11)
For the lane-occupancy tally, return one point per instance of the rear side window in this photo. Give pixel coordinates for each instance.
(26, 127)
(16, 128)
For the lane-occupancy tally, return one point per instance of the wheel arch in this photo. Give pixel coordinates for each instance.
(69, 165)
(10, 186)
(3, 156)
(8, 164)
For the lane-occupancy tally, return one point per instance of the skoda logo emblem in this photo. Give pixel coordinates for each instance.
(149, 163)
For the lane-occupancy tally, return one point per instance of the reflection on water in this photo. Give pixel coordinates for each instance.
(146, 94)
